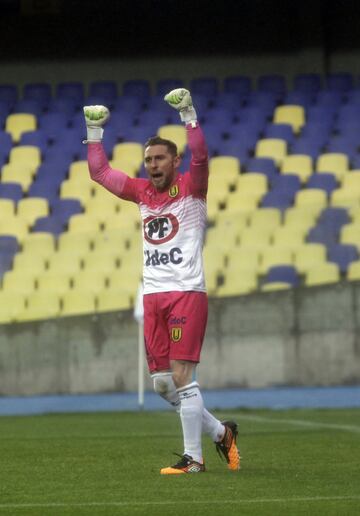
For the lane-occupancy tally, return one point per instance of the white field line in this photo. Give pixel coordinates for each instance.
(155, 503)
(299, 422)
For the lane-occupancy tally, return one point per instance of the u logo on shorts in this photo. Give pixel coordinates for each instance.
(176, 334)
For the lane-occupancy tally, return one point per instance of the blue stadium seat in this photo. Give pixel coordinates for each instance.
(52, 123)
(138, 88)
(11, 191)
(47, 189)
(287, 184)
(63, 209)
(31, 106)
(283, 273)
(353, 97)
(9, 94)
(6, 143)
(105, 89)
(274, 83)
(308, 82)
(265, 166)
(343, 145)
(129, 104)
(229, 100)
(157, 103)
(299, 98)
(254, 116)
(6, 260)
(40, 91)
(343, 255)
(322, 234)
(240, 84)
(323, 181)
(207, 86)
(276, 199)
(49, 224)
(9, 244)
(330, 98)
(335, 216)
(339, 81)
(282, 131)
(55, 171)
(38, 138)
(265, 100)
(71, 90)
(163, 86)
(68, 106)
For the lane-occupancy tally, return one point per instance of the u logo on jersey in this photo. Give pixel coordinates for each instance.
(176, 334)
(173, 191)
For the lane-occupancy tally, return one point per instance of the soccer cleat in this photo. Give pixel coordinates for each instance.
(227, 446)
(185, 465)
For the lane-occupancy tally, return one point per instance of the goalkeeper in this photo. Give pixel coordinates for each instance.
(173, 211)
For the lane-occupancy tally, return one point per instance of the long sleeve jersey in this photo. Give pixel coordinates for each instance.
(173, 221)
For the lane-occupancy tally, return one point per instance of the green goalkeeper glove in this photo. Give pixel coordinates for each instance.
(95, 118)
(180, 99)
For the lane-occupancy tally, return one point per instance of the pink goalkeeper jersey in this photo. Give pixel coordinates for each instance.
(174, 221)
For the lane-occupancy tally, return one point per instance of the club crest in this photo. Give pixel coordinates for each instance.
(173, 191)
(176, 334)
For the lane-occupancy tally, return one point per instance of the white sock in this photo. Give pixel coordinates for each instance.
(212, 426)
(191, 412)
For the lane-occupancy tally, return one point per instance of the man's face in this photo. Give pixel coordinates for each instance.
(161, 166)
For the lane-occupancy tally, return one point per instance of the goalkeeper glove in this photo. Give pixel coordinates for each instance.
(95, 118)
(180, 99)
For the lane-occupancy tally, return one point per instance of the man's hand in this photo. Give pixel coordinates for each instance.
(180, 99)
(95, 118)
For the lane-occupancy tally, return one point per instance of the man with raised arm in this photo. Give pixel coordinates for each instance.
(173, 212)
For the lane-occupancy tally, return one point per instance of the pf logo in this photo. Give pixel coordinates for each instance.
(158, 230)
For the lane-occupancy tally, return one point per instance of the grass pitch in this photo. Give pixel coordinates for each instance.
(299, 462)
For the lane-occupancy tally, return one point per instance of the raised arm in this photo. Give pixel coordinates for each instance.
(180, 99)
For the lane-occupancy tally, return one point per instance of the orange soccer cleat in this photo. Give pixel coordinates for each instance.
(227, 446)
(185, 465)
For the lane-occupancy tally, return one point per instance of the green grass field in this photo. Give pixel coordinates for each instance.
(293, 462)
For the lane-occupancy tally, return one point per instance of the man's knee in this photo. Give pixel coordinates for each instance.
(163, 383)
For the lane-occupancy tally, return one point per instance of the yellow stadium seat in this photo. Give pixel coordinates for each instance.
(79, 172)
(31, 208)
(15, 226)
(244, 257)
(301, 216)
(112, 239)
(252, 182)
(77, 243)
(7, 208)
(101, 208)
(290, 114)
(335, 162)
(26, 154)
(65, 263)
(175, 133)
(39, 243)
(218, 189)
(55, 282)
(130, 151)
(224, 236)
(350, 234)
(243, 202)
(259, 236)
(91, 280)
(345, 197)
(274, 148)
(289, 236)
(101, 193)
(127, 166)
(78, 302)
(40, 305)
(299, 165)
(102, 261)
(31, 262)
(309, 255)
(17, 173)
(111, 300)
(353, 271)
(352, 180)
(83, 223)
(274, 285)
(239, 218)
(78, 190)
(11, 304)
(238, 282)
(265, 217)
(18, 123)
(322, 274)
(214, 257)
(311, 197)
(275, 255)
(19, 282)
(225, 166)
(354, 213)
(127, 277)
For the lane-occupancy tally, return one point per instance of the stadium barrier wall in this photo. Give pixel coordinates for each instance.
(307, 337)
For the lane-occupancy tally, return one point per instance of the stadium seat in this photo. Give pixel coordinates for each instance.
(40, 91)
(65, 263)
(70, 90)
(40, 244)
(281, 131)
(83, 223)
(274, 148)
(40, 305)
(252, 182)
(14, 226)
(266, 218)
(299, 165)
(111, 300)
(9, 244)
(274, 286)
(137, 88)
(20, 173)
(322, 274)
(308, 256)
(292, 115)
(273, 256)
(81, 191)
(308, 82)
(336, 163)
(9, 93)
(18, 123)
(49, 224)
(283, 273)
(265, 166)
(11, 190)
(239, 84)
(77, 302)
(289, 237)
(54, 281)
(90, 280)
(323, 181)
(339, 81)
(19, 282)
(7, 208)
(30, 262)
(101, 261)
(105, 89)
(32, 208)
(353, 271)
(350, 234)
(175, 133)
(311, 197)
(11, 304)
(237, 282)
(343, 255)
(163, 86)
(345, 197)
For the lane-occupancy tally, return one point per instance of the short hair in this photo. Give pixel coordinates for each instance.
(157, 140)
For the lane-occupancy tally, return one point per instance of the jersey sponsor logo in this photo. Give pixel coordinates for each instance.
(173, 191)
(158, 230)
(176, 334)
(178, 320)
(173, 256)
